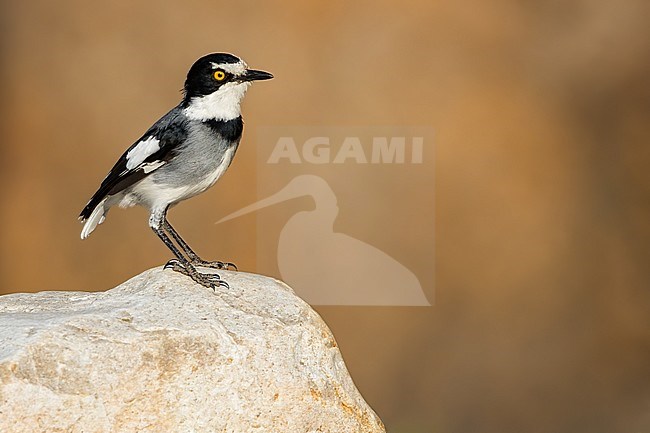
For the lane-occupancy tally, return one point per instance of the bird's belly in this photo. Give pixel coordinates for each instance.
(168, 186)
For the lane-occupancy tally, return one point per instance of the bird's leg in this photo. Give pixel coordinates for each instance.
(181, 264)
(194, 258)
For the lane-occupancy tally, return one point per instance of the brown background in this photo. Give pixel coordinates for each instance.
(542, 184)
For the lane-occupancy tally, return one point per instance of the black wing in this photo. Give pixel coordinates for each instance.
(170, 131)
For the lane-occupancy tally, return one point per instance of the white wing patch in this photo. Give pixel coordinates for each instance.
(142, 151)
(151, 166)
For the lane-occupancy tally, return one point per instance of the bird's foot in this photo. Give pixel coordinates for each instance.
(211, 281)
(215, 265)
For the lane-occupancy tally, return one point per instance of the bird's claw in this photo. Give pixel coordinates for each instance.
(173, 264)
(211, 281)
(216, 265)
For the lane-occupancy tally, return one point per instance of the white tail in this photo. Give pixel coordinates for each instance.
(95, 218)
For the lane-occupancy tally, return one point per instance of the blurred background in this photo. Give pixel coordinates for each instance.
(542, 199)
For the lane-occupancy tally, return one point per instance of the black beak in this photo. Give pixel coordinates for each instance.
(254, 75)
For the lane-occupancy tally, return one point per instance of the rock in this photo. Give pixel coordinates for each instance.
(160, 353)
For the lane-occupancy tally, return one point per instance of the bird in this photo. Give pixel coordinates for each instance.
(181, 155)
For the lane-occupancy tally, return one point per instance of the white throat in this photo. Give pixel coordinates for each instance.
(224, 104)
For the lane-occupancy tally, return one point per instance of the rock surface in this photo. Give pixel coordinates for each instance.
(160, 353)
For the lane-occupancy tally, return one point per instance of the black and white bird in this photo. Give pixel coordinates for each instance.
(181, 155)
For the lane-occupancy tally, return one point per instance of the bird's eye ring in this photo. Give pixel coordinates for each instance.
(219, 75)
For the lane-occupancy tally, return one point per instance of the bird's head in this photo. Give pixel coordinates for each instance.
(216, 84)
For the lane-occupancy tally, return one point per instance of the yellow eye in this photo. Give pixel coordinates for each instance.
(219, 75)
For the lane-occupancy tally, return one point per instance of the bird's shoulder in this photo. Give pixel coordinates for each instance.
(157, 144)
(151, 151)
(169, 131)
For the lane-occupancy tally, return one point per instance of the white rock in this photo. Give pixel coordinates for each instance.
(160, 353)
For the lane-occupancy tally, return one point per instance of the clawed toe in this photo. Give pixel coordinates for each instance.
(218, 281)
(173, 264)
(216, 265)
(211, 281)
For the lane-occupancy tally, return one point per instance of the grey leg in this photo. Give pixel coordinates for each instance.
(194, 258)
(181, 264)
